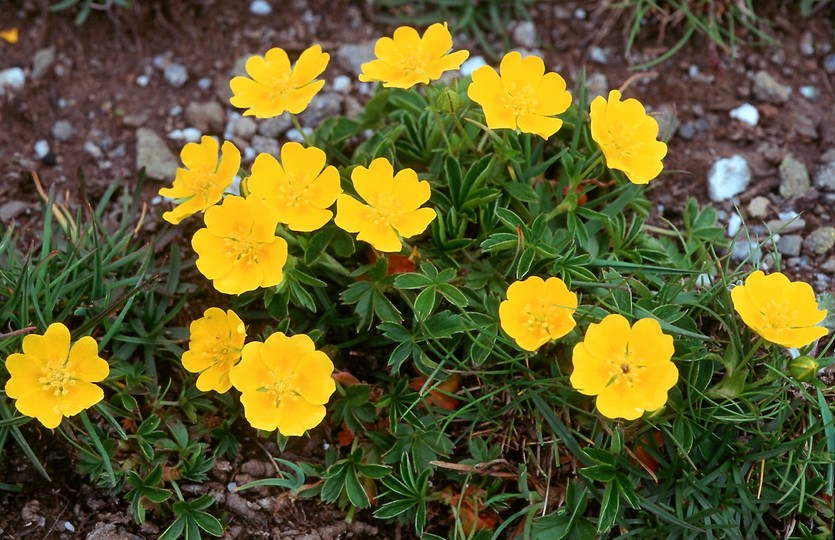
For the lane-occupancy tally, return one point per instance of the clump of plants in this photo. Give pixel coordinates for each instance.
(462, 284)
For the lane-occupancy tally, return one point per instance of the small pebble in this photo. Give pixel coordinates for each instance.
(829, 63)
(342, 83)
(260, 7)
(249, 154)
(703, 281)
(471, 64)
(176, 75)
(809, 92)
(245, 127)
(143, 80)
(789, 245)
(41, 148)
(807, 45)
(176, 110)
(176, 135)
(204, 84)
(758, 207)
(69, 526)
(296, 136)
(728, 177)
(734, 224)
(580, 13)
(13, 77)
(598, 55)
(746, 113)
(62, 130)
(191, 134)
(93, 149)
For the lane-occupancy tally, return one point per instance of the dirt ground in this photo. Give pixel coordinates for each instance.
(90, 89)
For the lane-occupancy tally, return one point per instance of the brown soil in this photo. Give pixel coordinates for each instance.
(93, 85)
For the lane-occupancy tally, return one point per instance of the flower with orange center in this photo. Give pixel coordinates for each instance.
(214, 346)
(300, 188)
(275, 86)
(284, 383)
(781, 311)
(238, 249)
(627, 137)
(393, 210)
(51, 380)
(523, 97)
(537, 311)
(629, 369)
(407, 59)
(203, 182)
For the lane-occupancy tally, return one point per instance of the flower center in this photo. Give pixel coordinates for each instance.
(627, 369)
(293, 192)
(520, 98)
(413, 61)
(57, 380)
(777, 315)
(202, 182)
(384, 207)
(539, 316)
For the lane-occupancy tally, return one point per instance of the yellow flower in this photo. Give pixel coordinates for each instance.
(409, 59)
(628, 369)
(392, 209)
(781, 311)
(238, 250)
(627, 136)
(51, 380)
(10, 35)
(203, 182)
(284, 383)
(298, 188)
(524, 97)
(275, 87)
(537, 311)
(214, 347)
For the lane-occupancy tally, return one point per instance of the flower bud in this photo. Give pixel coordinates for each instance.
(803, 368)
(448, 101)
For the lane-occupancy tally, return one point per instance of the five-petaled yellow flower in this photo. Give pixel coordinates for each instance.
(537, 311)
(393, 206)
(627, 136)
(203, 182)
(51, 380)
(284, 383)
(275, 87)
(215, 345)
(239, 250)
(781, 311)
(524, 97)
(409, 59)
(300, 189)
(629, 369)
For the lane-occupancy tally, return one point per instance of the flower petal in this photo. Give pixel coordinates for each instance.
(295, 415)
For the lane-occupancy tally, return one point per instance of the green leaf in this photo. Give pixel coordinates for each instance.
(425, 303)
(609, 508)
(412, 281)
(521, 192)
(353, 488)
(601, 473)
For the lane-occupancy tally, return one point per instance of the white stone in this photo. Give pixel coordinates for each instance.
(192, 134)
(235, 187)
(728, 177)
(296, 136)
(249, 153)
(746, 113)
(143, 80)
(471, 64)
(734, 224)
(176, 135)
(342, 83)
(260, 7)
(12, 78)
(703, 281)
(41, 148)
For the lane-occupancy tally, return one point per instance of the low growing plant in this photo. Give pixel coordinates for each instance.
(500, 341)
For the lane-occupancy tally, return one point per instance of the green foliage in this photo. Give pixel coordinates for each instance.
(85, 7)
